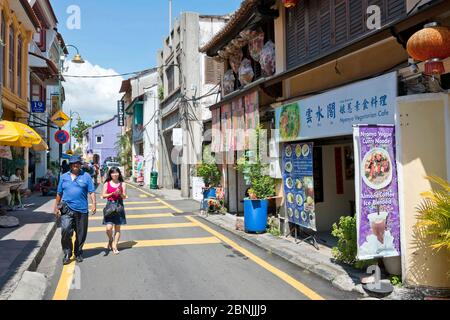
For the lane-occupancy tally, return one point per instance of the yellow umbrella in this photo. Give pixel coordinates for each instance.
(16, 134)
(41, 146)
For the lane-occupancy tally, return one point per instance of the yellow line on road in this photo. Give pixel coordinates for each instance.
(139, 216)
(169, 206)
(129, 203)
(282, 275)
(149, 226)
(156, 243)
(163, 202)
(147, 193)
(145, 208)
(65, 282)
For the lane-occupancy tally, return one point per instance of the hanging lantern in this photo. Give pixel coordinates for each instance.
(290, 3)
(431, 45)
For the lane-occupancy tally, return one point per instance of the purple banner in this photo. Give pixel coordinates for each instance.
(378, 217)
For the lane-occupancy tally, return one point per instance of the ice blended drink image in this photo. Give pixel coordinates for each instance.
(378, 224)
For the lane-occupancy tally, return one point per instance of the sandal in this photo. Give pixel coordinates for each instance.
(110, 245)
(115, 251)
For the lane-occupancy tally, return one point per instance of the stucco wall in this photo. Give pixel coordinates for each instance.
(423, 149)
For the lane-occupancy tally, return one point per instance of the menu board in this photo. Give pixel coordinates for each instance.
(298, 181)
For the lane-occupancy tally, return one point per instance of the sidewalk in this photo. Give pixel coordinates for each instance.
(22, 247)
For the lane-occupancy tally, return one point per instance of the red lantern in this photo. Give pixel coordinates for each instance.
(289, 3)
(432, 45)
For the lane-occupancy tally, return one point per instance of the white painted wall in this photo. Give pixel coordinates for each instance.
(150, 135)
(334, 205)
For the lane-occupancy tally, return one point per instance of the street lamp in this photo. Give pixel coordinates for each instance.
(76, 59)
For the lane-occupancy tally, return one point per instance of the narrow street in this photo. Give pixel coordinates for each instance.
(168, 252)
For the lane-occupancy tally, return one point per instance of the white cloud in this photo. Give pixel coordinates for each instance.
(94, 99)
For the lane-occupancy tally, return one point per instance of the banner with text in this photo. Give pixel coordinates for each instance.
(377, 205)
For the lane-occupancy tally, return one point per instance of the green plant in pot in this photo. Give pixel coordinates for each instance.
(262, 188)
(210, 174)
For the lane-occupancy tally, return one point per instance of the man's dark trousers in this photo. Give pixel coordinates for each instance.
(70, 222)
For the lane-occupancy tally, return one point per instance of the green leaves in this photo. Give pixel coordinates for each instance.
(77, 131)
(434, 214)
(346, 249)
(263, 186)
(123, 148)
(210, 173)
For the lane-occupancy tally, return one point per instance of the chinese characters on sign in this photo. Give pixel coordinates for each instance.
(121, 113)
(377, 210)
(335, 112)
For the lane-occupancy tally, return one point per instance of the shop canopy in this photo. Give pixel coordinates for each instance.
(16, 134)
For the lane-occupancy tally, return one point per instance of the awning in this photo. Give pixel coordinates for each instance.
(41, 146)
(16, 134)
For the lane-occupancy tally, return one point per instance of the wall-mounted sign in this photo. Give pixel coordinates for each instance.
(377, 205)
(60, 119)
(62, 136)
(55, 102)
(177, 137)
(38, 106)
(298, 179)
(121, 113)
(335, 112)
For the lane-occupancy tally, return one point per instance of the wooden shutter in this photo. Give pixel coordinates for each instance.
(213, 71)
(340, 22)
(313, 28)
(357, 18)
(325, 25)
(395, 9)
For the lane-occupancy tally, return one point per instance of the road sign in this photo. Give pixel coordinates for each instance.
(62, 136)
(38, 106)
(60, 119)
(121, 113)
(70, 153)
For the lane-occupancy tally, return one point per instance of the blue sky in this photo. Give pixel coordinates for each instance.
(116, 37)
(125, 34)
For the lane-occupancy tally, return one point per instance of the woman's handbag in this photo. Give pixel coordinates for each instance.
(112, 208)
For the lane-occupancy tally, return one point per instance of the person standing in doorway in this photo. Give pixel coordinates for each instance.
(114, 190)
(72, 206)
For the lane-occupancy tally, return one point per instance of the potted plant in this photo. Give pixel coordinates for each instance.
(262, 188)
(210, 174)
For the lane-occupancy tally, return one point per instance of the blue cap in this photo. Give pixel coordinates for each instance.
(75, 159)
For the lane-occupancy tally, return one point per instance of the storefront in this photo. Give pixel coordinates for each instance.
(323, 177)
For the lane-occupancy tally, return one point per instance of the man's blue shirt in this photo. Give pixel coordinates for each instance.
(75, 193)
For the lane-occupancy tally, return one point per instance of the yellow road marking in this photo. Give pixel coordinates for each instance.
(139, 216)
(163, 202)
(282, 275)
(169, 206)
(145, 208)
(129, 203)
(144, 192)
(156, 243)
(149, 226)
(143, 196)
(65, 281)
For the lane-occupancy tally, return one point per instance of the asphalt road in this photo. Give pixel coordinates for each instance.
(169, 253)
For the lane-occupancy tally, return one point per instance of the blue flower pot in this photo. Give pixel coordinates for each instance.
(210, 193)
(255, 215)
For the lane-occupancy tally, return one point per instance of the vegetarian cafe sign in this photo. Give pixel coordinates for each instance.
(334, 113)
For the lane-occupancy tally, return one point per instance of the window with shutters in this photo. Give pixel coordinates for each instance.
(318, 27)
(170, 73)
(213, 71)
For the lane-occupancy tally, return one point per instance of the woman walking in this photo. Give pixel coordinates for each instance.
(114, 190)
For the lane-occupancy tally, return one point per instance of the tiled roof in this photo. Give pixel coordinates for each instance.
(246, 8)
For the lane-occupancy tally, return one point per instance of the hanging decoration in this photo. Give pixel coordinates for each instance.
(255, 45)
(267, 60)
(431, 45)
(290, 3)
(235, 60)
(246, 73)
(228, 82)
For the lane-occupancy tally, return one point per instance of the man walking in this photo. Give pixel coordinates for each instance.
(72, 205)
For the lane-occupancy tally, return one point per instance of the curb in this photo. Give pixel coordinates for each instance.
(31, 263)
